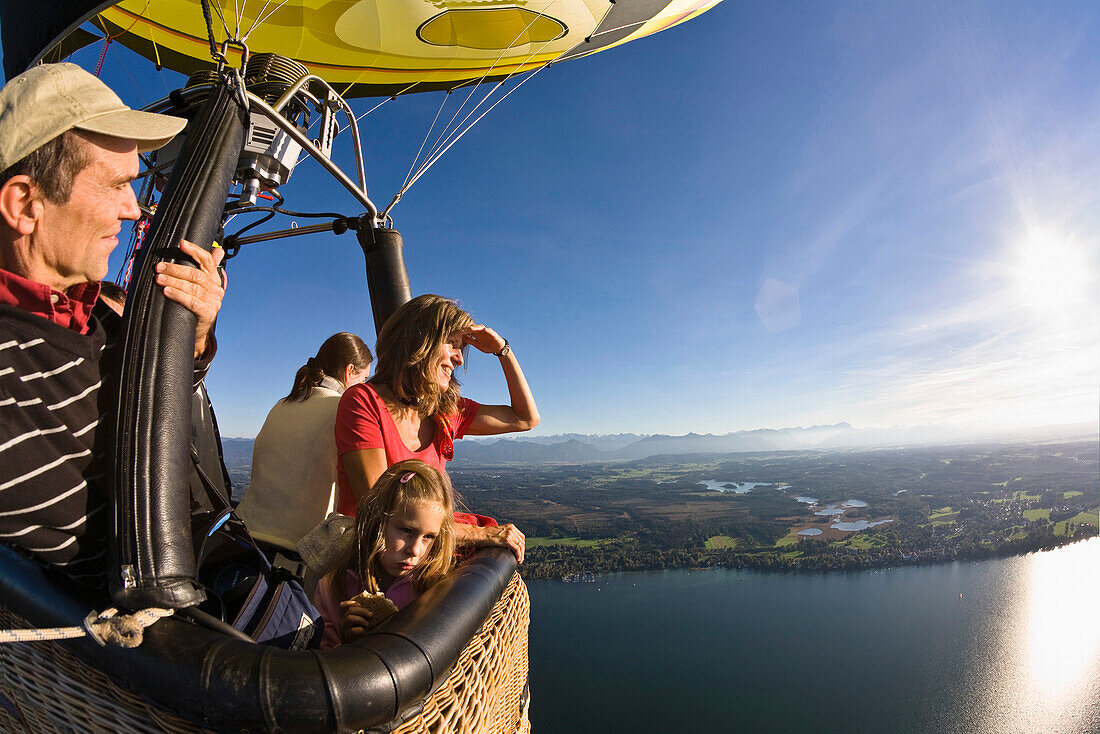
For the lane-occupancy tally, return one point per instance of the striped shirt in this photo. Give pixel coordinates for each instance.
(52, 447)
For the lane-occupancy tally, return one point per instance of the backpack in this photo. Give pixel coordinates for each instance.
(265, 602)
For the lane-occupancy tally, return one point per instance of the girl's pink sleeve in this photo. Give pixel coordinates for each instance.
(329, 607)
(358, 425)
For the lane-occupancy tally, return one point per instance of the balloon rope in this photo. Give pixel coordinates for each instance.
(264, 15)
(405, 183)
(444, 135)
(449, 137)
(156, 48)
(446, 140)
(102, 55)
(221, 17)
(428, 164)
(632, 26)
(209, 27)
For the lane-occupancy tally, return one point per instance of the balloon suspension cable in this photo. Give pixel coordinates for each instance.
(448, 137)
(405, 183)
(210, 28)
(391, 98)
(488, 72)
(263, 15)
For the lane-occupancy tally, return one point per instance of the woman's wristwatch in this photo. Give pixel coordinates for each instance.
(504, 351)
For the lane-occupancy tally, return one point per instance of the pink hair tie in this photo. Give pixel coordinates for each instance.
(407, 476)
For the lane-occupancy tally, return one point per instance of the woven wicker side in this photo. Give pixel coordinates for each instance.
(53, 691)
(44, 688)
(485, 692)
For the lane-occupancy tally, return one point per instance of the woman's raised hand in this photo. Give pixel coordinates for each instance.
(483, 339)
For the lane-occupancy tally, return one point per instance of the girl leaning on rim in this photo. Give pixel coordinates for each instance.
(412, 408)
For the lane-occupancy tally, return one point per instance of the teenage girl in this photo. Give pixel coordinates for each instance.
(293, 484)
(404, 543)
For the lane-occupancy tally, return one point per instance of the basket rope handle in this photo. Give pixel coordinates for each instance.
(125, 630)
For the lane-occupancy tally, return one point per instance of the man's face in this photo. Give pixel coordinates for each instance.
(75, 239)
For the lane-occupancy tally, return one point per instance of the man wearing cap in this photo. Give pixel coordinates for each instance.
(68, 154)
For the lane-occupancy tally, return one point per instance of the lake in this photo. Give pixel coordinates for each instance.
(1010, 645)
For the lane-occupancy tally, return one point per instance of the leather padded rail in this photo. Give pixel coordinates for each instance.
(230, 685)
(387, 279)
(153, 559)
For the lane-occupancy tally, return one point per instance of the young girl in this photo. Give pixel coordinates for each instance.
(404, 543)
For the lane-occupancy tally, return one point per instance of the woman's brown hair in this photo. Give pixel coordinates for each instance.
(332, 359)
(409, 482)
(409, 340)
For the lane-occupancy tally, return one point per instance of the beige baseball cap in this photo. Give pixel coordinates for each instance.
(43, 102)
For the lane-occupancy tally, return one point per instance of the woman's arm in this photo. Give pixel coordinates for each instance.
(363, 467)
(508, 536)
(522, 414)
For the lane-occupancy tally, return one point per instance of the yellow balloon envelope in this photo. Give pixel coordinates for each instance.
(377, 47)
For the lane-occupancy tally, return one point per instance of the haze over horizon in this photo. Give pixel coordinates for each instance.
(771, 216)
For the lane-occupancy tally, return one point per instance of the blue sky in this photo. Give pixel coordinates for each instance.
(778, 214)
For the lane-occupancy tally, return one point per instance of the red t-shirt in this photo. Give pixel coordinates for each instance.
(362, 422)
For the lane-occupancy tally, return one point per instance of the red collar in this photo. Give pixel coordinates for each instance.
(70, 309)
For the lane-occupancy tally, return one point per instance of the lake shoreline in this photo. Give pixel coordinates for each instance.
(537, 569)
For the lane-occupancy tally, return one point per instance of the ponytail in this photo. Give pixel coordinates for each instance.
(332, 360)
(308, 377)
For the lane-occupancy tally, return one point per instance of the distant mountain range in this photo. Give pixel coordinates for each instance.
(580, 448)
(574, 447)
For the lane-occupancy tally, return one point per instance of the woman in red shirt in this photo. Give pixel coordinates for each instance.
(412, 409)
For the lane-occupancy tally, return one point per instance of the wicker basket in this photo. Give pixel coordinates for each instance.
(44, 688)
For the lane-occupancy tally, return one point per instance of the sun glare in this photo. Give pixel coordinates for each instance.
(1052, 272)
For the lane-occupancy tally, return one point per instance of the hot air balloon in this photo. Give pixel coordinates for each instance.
(267, 85)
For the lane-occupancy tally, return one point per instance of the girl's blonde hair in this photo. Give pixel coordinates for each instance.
(406, 346)
(409, 482)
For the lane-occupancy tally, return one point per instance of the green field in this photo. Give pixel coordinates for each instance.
(862, 541)
(785, 541)
(943, 516)
(1068, 495)
(1024, 496)
(720, 542)
(1040, 514)
(540, 542)
(1080, 518)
